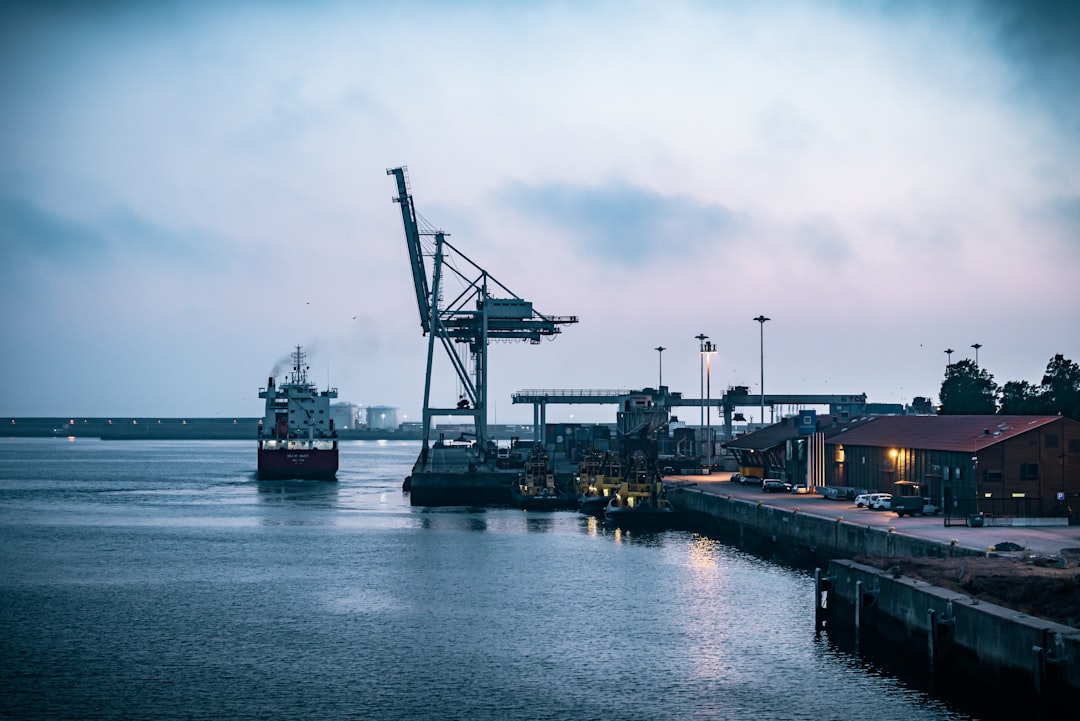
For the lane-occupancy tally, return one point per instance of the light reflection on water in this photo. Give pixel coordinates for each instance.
(158, 580)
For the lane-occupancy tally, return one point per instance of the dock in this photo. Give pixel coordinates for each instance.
(951, 627)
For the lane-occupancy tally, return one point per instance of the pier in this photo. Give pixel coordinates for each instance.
(949, 625)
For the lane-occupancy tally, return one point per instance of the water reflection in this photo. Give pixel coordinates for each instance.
(452, 518)
(539, 524)
(297, 491)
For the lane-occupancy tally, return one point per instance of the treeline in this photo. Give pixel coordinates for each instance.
(970, 390)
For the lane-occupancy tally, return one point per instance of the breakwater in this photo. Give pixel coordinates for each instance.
(151, 428)
(951, 627)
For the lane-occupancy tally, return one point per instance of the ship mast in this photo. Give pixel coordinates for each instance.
(299, 374)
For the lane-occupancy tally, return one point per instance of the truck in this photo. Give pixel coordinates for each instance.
(909, 499)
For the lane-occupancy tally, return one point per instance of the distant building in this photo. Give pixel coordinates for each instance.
(382, 418)
(1000, 466)
(344, 416)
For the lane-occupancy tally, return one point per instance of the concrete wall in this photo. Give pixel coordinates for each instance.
(450, 488)
(819, 536)
(1001, 639)
(996, 637)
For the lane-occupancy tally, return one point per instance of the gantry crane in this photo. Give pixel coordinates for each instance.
(475, 317)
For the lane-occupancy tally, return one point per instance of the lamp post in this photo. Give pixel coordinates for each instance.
(948, 357)
(701, 338)
(976, 346)
(660, 351)
(709, 348)
(761, 321)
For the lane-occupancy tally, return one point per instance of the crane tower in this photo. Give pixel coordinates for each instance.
(484, 311)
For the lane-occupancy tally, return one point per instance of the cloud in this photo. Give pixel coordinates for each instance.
(823, 240)
(626, 224)
(1042, 40)
(1061, 217)
(31, 232)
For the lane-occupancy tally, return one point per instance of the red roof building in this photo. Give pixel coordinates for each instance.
(1005, 466)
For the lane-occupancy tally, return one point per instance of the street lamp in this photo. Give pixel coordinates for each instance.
(976, 346)
(701, 338)
(761, 321)
(660, 351)
(708, 349)
(948, 357)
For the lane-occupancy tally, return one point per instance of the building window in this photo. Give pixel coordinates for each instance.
(1074, 445)
(994, 475)
(1029, 471)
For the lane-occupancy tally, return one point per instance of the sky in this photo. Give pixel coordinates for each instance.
(188, 190)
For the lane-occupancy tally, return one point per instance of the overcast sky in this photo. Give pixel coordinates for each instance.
(190, 189)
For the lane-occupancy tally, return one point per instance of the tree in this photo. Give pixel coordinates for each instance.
(922, 405)
(1061, 387)
(1020, 398)
(968, 390)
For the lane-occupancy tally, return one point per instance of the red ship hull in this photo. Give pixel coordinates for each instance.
(311, 463)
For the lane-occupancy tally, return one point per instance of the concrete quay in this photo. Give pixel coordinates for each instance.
(955, 631)
(863, 531)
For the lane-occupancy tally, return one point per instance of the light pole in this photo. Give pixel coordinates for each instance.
(761, 321)
(709, 348)
(660, 351)
(948, 357)
(976, 346)
(701, 338)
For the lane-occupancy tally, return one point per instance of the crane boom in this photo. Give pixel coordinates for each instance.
(412, 239)
(475, 317)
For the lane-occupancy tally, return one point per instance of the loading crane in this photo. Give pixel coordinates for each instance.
(475, 317)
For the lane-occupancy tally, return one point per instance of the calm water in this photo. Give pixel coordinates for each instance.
(158, 580)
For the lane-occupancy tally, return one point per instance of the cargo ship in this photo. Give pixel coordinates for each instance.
(296, 434)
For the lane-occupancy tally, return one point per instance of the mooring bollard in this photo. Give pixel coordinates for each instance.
(931, 636)
(858, 610)
(822, 586)
(1039, 668)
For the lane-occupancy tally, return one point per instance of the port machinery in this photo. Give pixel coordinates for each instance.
(475, 317)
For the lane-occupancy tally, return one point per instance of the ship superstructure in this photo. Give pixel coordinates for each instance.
(296, 436)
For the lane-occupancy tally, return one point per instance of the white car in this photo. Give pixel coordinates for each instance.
(883, 502)
(864, 500)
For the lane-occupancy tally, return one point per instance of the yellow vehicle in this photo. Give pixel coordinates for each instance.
(599, 477)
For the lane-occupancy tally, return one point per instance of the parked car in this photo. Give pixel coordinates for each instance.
(863, 500)
(736, 477)
(775, 485)
(882, 503)
(800, 488)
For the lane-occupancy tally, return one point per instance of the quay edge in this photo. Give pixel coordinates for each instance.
(454, 488)
(954, 627)
(995, 638)
(813, 538)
